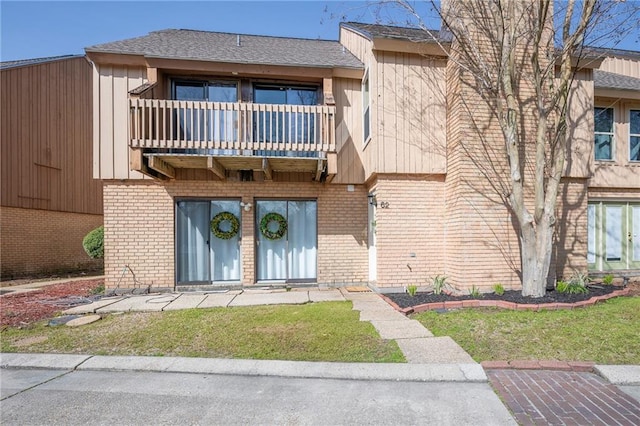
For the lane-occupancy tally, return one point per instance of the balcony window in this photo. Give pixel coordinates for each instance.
(211, 125)
(634, 135)
(295, 126)
(603, 118)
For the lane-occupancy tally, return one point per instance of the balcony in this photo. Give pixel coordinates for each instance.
(223, 136)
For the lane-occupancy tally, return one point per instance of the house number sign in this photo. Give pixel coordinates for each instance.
(384, 204)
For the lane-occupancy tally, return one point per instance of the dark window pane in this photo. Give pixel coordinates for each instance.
(634, 121)
(604, 120)
(190, 91)
(221, 92)
(302, 97)
(270, 95)
(603, 147)
(634, 148)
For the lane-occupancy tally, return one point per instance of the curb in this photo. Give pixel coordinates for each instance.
(575, 366)
(457, 304)
(245, 367)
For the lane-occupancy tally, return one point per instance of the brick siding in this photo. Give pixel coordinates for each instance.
(139, 228)
(40, 242)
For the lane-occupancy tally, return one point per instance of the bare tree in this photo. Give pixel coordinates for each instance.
(520, 57)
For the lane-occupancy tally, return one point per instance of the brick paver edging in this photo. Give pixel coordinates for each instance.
(476, 303)
(580, 366)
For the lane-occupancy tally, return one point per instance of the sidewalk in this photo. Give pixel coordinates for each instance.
(418, 344)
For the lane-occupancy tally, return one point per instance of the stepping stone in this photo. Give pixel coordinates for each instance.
(434, 350)
(371, 305)
(382, 315)
(404, 329)
(61, 320)
(87, 319)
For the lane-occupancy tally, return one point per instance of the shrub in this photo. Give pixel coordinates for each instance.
(607, 279)
(498, 289)
(412, 290)
(93, 243)
(571, 287)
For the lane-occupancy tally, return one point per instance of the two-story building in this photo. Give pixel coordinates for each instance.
(49, 200)
(244, 160)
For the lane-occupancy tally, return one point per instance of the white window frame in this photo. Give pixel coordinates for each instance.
(612, 133)
(366, 107)
(632, 134)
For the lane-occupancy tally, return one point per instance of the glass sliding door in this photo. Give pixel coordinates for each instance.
(272, 252)
(225, 252)
(302, 250)
(291, 127)
(192, 242)
(201, 256)
(290, 255)
(210, 125)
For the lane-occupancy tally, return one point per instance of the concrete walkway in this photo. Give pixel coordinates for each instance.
(416, 342)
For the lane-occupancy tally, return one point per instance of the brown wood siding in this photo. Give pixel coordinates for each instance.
(46, 130)
(349, 138)
(358, 45)
(410, 114)
(624, 66)
(111, 136)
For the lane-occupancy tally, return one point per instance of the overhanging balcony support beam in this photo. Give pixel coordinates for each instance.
(216, 168)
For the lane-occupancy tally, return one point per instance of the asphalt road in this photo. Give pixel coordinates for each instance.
(55, 397)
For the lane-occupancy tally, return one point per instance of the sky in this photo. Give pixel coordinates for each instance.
(30, 29)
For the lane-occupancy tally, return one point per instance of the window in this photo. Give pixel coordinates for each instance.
(634, 135)
(213, 125)
(603, 118)
(366, 103)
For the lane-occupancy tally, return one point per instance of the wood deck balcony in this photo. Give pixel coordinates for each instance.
(236, 136)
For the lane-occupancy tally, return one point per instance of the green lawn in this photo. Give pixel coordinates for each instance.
(606, 333)
(328, 331)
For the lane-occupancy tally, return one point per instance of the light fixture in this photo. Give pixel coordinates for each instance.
(372, 200)
(247, 206)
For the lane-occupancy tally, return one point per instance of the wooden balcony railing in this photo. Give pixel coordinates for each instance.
(159, 123)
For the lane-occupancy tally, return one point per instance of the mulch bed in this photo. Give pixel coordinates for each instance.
(19, 309)
(404, 300)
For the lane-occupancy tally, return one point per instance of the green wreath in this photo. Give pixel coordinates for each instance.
(225, 217)
(273, 217)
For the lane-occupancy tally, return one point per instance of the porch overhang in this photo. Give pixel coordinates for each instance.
(163, 166)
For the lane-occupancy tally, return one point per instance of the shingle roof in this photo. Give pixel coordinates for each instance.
(609, 80)
(35, 61)
(223, 47)
(372, 31)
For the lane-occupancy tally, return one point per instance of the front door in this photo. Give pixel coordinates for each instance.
(613, 235)
(207, 241)
(286, 240)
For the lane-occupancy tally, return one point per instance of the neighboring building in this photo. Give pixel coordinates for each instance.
(49, 200)
(359, 146)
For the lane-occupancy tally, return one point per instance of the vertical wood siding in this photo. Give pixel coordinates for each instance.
(410, 111)
(624, 66)
(349, 143)
(46, 128)
(111, 144)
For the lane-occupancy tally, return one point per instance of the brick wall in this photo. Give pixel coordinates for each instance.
(39, 242)
(139, 228)
(409, 229)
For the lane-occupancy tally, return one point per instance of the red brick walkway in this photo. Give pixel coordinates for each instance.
(541, 397)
